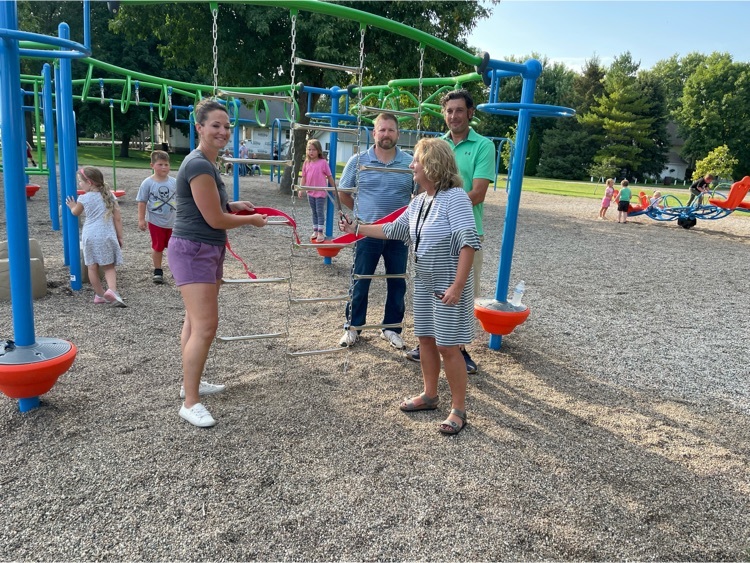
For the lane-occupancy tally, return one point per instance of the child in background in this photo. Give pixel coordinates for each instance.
(623, 202)
(316, 172)
(655, 198)
(156, 207)
(609, 191)
(101, 237)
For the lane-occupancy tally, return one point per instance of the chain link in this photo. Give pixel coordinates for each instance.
(293, 117)
(419, 96)
(215, 51)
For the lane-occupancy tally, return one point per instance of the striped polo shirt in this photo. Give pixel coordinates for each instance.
(379, 193)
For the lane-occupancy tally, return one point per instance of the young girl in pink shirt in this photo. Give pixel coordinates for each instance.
(316, 172)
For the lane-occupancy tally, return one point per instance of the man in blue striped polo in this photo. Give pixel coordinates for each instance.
(379, 192)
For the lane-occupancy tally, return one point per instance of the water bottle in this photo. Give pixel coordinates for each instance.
(518, 294)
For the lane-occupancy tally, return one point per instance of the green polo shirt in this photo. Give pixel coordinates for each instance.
(475, 157)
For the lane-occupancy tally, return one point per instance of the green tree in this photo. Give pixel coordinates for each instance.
(719, 162)
(716, 110)
(654, 154)
(254, 46)
(139, 55)
(672, 73)
(567, 149)
(621, 120)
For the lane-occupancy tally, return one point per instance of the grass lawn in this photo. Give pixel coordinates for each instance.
(101, 156)
(584, 189)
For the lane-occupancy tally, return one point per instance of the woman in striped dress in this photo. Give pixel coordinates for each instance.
(440, 226)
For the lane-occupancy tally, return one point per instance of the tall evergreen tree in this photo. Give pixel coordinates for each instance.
(621, 119)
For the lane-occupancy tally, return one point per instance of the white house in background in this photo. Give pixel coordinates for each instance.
(257, 138)
(676, 167)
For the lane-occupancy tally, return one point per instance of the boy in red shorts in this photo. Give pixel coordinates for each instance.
(156, 207)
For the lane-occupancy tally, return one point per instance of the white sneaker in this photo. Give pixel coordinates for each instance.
(205, 389)
(394, 338)
(197, 415)
(349, 338)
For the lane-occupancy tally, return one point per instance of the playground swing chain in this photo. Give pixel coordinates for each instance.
(293, 116)
(215, 48)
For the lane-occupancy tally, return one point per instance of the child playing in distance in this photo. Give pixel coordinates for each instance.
(156, 207)
(101, 237)
(655, 198)
(623, 202)
(316, 172)
(609, 191)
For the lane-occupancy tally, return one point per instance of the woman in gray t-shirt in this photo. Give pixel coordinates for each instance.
(196, 251)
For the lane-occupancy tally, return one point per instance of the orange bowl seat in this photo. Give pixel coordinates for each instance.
(31, 189)
(328, 251)
(495, 320)
(30, 371)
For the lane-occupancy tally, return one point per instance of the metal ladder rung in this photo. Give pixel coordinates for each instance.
(251, 337)
(304, 127)
(258, 280)
(331, 66)
(370, 109)
(364, 168)
(382, 326)
(249, 96)
(321, 245)
(318, 299)
(378, 276)
(322, 188)
(315, 352)
(256, 161)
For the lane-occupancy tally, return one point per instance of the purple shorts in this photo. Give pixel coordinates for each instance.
(195, 262)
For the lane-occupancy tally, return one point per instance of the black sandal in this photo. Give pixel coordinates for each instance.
(427, 404)
(450, 428)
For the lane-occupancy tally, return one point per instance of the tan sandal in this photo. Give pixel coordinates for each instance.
(450, 428)
(427, 404)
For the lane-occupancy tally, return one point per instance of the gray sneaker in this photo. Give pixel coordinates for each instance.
(205, 388)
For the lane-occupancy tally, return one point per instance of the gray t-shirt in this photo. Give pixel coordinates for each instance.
(189, 223)
(160, 203)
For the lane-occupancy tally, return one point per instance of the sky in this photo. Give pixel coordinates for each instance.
(574, 31)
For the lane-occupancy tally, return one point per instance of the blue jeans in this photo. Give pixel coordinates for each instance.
(368, 253)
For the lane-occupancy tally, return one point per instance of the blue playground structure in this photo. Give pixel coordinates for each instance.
(29, 365)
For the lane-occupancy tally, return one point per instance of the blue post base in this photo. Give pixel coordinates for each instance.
(495, 341)
(26, 405)
(327, 260)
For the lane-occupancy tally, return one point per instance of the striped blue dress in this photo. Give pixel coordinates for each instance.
(442, 226)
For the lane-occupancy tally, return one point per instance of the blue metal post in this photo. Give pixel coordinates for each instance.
(236, 142)
(49, 147)
(59, 121)
(331, 219)
(14, 159)
(533, 70)
(191, 118)
(68, 161)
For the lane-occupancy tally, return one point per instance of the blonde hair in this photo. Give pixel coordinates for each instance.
(95, 177)
(318, 147)
(610, 182)
(439, 163)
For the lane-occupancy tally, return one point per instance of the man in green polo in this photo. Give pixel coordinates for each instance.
(475, 157)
